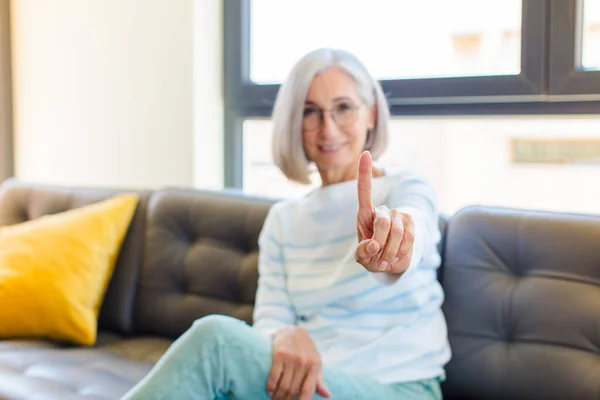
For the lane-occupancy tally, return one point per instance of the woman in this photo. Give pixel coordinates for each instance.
(348, 305)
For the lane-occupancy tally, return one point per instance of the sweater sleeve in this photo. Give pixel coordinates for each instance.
(414, 196)
(272, 309)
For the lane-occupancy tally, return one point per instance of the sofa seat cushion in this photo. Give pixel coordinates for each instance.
(40, 370)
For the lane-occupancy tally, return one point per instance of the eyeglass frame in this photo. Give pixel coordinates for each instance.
(353, 107)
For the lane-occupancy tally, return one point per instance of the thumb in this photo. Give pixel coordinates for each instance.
(321, 389)
(366, 250)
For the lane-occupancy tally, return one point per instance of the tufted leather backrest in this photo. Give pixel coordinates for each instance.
(201, 258)
(20, 202)
(522, 305)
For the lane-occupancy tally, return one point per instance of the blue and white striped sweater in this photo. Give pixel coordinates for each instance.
(361, 323)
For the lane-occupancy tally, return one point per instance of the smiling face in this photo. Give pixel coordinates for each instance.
(335, 125)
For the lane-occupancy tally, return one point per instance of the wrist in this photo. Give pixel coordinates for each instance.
(286, 330)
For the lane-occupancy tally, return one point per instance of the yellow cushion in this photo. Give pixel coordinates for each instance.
(54, 270)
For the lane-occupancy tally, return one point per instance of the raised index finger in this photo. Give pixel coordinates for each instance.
(365, 165)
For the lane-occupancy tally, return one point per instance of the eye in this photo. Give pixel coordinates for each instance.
(344, 107)
(310, 111)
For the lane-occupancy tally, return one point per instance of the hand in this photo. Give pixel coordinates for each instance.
(386, 238)
(296, 369)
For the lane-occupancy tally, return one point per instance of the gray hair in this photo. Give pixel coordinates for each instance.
(288, 151)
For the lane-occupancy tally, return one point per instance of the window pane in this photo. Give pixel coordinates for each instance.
(472, 161)
(590, 47)
(394, 38)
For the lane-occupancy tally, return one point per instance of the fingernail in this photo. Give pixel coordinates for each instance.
(383, 265)
(371, 248)
(395, 260)
(397, 220)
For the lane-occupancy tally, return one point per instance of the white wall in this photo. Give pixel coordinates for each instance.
(104, 91)
(208, 94)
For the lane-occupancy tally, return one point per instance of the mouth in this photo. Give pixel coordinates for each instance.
(330, 148)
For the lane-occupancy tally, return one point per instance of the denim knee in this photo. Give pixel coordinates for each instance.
(216, 328)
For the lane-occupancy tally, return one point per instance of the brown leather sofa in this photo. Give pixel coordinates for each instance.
(522, 295)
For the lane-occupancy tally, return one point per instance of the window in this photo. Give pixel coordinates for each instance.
(461, 38)
(574, 68)
(456, 73)
(467, 160)
(460, 51)
(590, 54)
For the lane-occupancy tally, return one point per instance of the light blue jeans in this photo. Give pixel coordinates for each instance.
(224, 358)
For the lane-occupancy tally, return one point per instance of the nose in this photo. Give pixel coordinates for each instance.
(328, 128)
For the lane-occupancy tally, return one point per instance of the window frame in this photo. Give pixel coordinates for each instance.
(565, 78)
(527, 84)
(6, 125)
(529, 93)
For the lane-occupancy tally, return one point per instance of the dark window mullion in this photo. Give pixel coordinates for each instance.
(566, 78)
(236, 64)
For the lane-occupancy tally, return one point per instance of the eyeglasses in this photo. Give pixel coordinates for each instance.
(343, 114)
